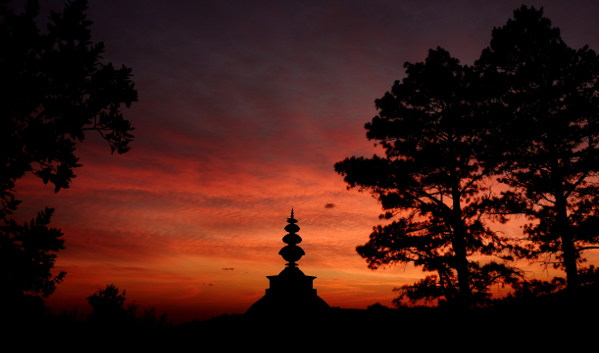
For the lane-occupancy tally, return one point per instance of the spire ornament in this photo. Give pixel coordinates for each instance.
(292, 252)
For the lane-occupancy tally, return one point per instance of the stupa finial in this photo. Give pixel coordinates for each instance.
(291, 219)
(292, 252)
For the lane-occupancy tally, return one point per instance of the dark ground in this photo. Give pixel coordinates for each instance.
(562, 322)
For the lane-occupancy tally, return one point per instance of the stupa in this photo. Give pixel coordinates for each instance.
(291, 292)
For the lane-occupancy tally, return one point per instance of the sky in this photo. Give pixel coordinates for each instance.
(244, 108)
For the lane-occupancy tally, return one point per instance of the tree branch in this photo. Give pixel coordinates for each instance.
(587, 248)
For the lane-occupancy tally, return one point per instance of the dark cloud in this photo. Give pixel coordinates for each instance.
(228, 268)
(329, 205)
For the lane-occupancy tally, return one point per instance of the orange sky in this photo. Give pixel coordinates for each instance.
(244, 108)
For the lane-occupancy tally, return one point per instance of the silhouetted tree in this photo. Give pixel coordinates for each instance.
(54, 89)
(108, 305)
(110, 312)
(27, 255)
(544, 99)
(432, 181)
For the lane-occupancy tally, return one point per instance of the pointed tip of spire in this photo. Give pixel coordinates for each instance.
(291, 218)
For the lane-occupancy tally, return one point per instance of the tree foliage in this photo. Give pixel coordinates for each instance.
(525, 115)
(27, 256)
(544, 94)
(108, 305)
(110, 312)
(432, 181)
(55, 89)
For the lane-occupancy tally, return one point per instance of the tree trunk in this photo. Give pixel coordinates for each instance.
(459, 248)
(562, 226)
(568, 248)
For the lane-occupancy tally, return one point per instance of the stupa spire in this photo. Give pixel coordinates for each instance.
(291, 252)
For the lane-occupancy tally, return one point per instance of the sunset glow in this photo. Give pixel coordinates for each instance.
(244, 107)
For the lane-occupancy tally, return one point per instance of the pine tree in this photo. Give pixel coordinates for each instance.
(546, 109)
(432, 182)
